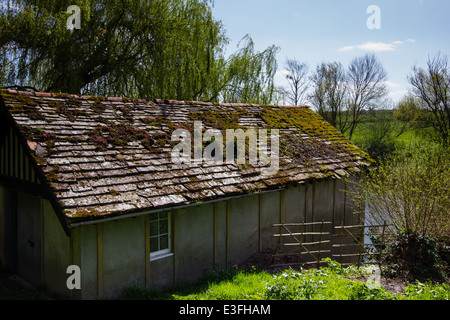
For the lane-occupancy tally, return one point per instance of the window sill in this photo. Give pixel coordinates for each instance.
(161, 256)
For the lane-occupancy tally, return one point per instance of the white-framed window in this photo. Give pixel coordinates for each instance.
(160, 235)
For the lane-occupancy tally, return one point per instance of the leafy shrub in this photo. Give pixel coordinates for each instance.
(379, 135)
(292, 285)
(409, 191)
(427, 291)
(327, 283)
(415, 257)
(219, 273)
(362, 291)
(379, 149)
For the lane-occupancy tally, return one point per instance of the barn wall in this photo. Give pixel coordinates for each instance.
(123, 255)
(194, 242)
(57, 252)
(351, 218)
(344, 215)
(270, 214)
(85, 244)
(243, 234)
(220, 231)
(114, 255)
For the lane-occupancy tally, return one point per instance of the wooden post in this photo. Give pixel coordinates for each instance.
(260, 223)
(227, 248)
(174, 245)
(99, 261)
(302, 230)
(361, 246)
(341, 234)
(320, 241)
(147, 250)
(215, 233)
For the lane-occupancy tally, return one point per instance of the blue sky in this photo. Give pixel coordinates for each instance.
(314, 31)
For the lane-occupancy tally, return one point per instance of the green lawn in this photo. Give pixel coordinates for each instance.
(329, 283)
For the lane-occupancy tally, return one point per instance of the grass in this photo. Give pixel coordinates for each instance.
(382, 136)
(333, 282)
(328, 283)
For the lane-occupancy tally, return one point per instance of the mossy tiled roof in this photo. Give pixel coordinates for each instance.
(106, 156)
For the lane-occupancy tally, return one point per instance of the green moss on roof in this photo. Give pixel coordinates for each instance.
(24, 104)
(89, 212)
(301, 118)
(97, 106)
(118, 135)
(132, 138)
(325, 137)
(216, 119)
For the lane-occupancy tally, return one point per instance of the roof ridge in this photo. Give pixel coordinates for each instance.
(155, 100)
(97, 163)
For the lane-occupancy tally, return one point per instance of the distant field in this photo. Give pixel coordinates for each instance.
(385, 122)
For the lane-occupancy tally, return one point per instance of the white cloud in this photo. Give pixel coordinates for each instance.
(397, 95)
(391, 85)
(347, 48)
(396, 91)
(377, 46)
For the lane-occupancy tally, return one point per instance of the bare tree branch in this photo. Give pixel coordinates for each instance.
(366, 77)
(298, 81)
(432, 87)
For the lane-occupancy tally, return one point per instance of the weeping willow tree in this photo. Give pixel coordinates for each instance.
(169, 49)
(249, 75)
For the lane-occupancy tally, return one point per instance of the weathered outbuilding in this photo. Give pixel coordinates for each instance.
(93, 182)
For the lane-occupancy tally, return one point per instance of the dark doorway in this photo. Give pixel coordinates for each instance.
(23, 247)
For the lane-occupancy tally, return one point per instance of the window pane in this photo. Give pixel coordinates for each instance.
(159, 225)
(163, 226)
(154, 244)
(163, 215)
(164, 242)
(154, 228)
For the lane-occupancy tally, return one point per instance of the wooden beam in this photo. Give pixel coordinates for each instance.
(227, 249)
(147, 250)
(99, 261)
(215, 234)
(174, 243)
(260, 222)
(41, 217)
(281, 206)
(22, 186)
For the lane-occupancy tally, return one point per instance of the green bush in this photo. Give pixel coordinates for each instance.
(292, 285)
(409, 191)
(415, 257)
(379, 149)
(362, 291)
(427, 291)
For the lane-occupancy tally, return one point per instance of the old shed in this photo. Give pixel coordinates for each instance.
(90, 181)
